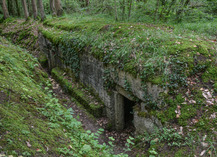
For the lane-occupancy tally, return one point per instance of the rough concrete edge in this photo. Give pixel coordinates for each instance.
(65, 84)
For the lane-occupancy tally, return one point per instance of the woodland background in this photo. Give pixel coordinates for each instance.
(172, 11)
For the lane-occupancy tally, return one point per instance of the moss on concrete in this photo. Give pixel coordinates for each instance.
(80, 95)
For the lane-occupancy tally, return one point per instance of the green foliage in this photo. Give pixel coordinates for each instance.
(160, 139)
(210, 74)
(187, 112)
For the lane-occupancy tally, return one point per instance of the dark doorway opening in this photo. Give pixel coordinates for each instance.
(128, 113)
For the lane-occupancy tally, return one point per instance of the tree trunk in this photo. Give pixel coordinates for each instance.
(5, 9)
(26, 13)
(130, 7)
(52, 8)
(116, 13)
(87, 3)
(58, 6)
(10, 7)
(34, 9)
(17, 7)
(156, 10)
(41, 8)
(29, 7)
(123, 9)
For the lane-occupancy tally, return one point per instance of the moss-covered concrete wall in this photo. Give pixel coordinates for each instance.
(94, 73)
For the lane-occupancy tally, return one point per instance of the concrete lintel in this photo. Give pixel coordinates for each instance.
(124, 92)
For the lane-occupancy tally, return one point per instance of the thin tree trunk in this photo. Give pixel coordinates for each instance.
(10, 7)
(130, 7)
(17, 7)
(29, 7)
(26, 13)
(34, 9)
(58, 6)
(5, 9)
(156, 10)
(116, 14)
(52, 8)
(123, 10)
(87, 3)
(41, 8)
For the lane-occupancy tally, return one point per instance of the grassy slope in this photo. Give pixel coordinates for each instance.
(32, 122)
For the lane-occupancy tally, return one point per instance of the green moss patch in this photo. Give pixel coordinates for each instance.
(210, 74)
(21, 32)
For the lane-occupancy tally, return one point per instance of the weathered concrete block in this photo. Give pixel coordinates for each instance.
(143, 124)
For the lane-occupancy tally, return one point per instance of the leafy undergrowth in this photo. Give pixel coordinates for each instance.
(32, 121)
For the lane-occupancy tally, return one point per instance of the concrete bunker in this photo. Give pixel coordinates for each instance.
(119, 102)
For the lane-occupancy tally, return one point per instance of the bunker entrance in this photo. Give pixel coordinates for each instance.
(128, 113)
(123, 112)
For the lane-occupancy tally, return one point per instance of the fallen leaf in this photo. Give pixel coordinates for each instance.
(209, 102)
(204, 95)
(204, 137)
(204, 144)
(192, 101)
(38, 150)
(156, 140)
(70, 147)
(203, 152)
(209, 95)
(28, 144)
(195, 121)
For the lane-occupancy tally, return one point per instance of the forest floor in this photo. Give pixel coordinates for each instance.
(91, 123)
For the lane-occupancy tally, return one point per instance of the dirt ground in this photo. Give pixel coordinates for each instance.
(93, 124)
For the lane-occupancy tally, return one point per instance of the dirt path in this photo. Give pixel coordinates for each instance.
(89, 123)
